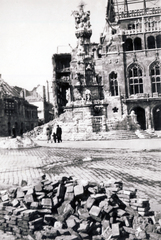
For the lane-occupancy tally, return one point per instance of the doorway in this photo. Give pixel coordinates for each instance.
(157, 117)
(140, 114)
(9, 129)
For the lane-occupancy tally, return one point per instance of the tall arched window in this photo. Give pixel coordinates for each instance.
(128, 44)
(135, 79)
(113, 84)
(137, 43)
(151, 42)
(155, 74)
(158, 41)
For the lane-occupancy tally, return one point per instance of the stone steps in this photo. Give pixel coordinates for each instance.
(145, 134)
(110, 135)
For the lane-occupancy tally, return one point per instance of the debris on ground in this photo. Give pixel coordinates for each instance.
(87, 159)
(18, 142)
(75, 209)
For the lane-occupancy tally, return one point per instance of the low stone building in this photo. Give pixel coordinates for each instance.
(16, 114)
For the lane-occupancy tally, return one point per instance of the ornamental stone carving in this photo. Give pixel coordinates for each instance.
(77, 95)
(82, 23)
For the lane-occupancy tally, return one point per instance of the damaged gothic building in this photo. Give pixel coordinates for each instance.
(99, 84)
(16, 114)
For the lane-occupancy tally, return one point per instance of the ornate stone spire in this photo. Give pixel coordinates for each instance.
(82, 24)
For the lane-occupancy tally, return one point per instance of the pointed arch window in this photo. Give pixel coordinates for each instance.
(113, 84)
(128, 44)
(151, 42)
(135, 79)
(158, 41)
(137, 43)
(155, 74)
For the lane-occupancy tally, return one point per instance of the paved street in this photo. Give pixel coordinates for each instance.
(137, 163)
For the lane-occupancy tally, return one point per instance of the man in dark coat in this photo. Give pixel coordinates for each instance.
(59, 133)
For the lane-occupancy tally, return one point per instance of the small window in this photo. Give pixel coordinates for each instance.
(129, 44)
(137, 44)
(158, 41)
(113, 84)
(151, 42)
(9, 106)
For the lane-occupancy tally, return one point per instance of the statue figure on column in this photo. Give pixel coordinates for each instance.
(82, 23)
(88, 94)
(68, 96)
(133, 116)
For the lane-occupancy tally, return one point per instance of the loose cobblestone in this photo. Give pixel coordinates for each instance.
(141, 169)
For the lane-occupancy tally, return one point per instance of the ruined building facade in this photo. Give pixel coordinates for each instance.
(61, 83)
(118, 77)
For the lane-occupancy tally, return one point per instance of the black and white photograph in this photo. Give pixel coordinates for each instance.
(80, 119)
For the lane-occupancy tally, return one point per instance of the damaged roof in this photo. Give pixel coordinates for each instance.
(7, 90)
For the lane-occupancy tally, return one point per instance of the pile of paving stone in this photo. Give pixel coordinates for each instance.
(74, 209)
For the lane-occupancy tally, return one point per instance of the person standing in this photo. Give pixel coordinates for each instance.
(13, 132)
(59, 133)
(48, 134)
(21, 132)
(54, 136)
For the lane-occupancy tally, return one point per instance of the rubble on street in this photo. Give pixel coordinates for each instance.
(16, 143)
(73, 209)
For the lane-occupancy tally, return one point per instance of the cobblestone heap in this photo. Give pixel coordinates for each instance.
(75, 209)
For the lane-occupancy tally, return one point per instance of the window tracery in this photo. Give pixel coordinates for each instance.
(135, 79)
(155, 74)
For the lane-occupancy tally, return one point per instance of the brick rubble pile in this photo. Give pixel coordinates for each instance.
(74, 209)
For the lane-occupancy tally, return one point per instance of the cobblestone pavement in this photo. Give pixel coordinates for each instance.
(139, 169)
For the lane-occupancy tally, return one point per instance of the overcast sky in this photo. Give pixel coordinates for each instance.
(31, 31)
